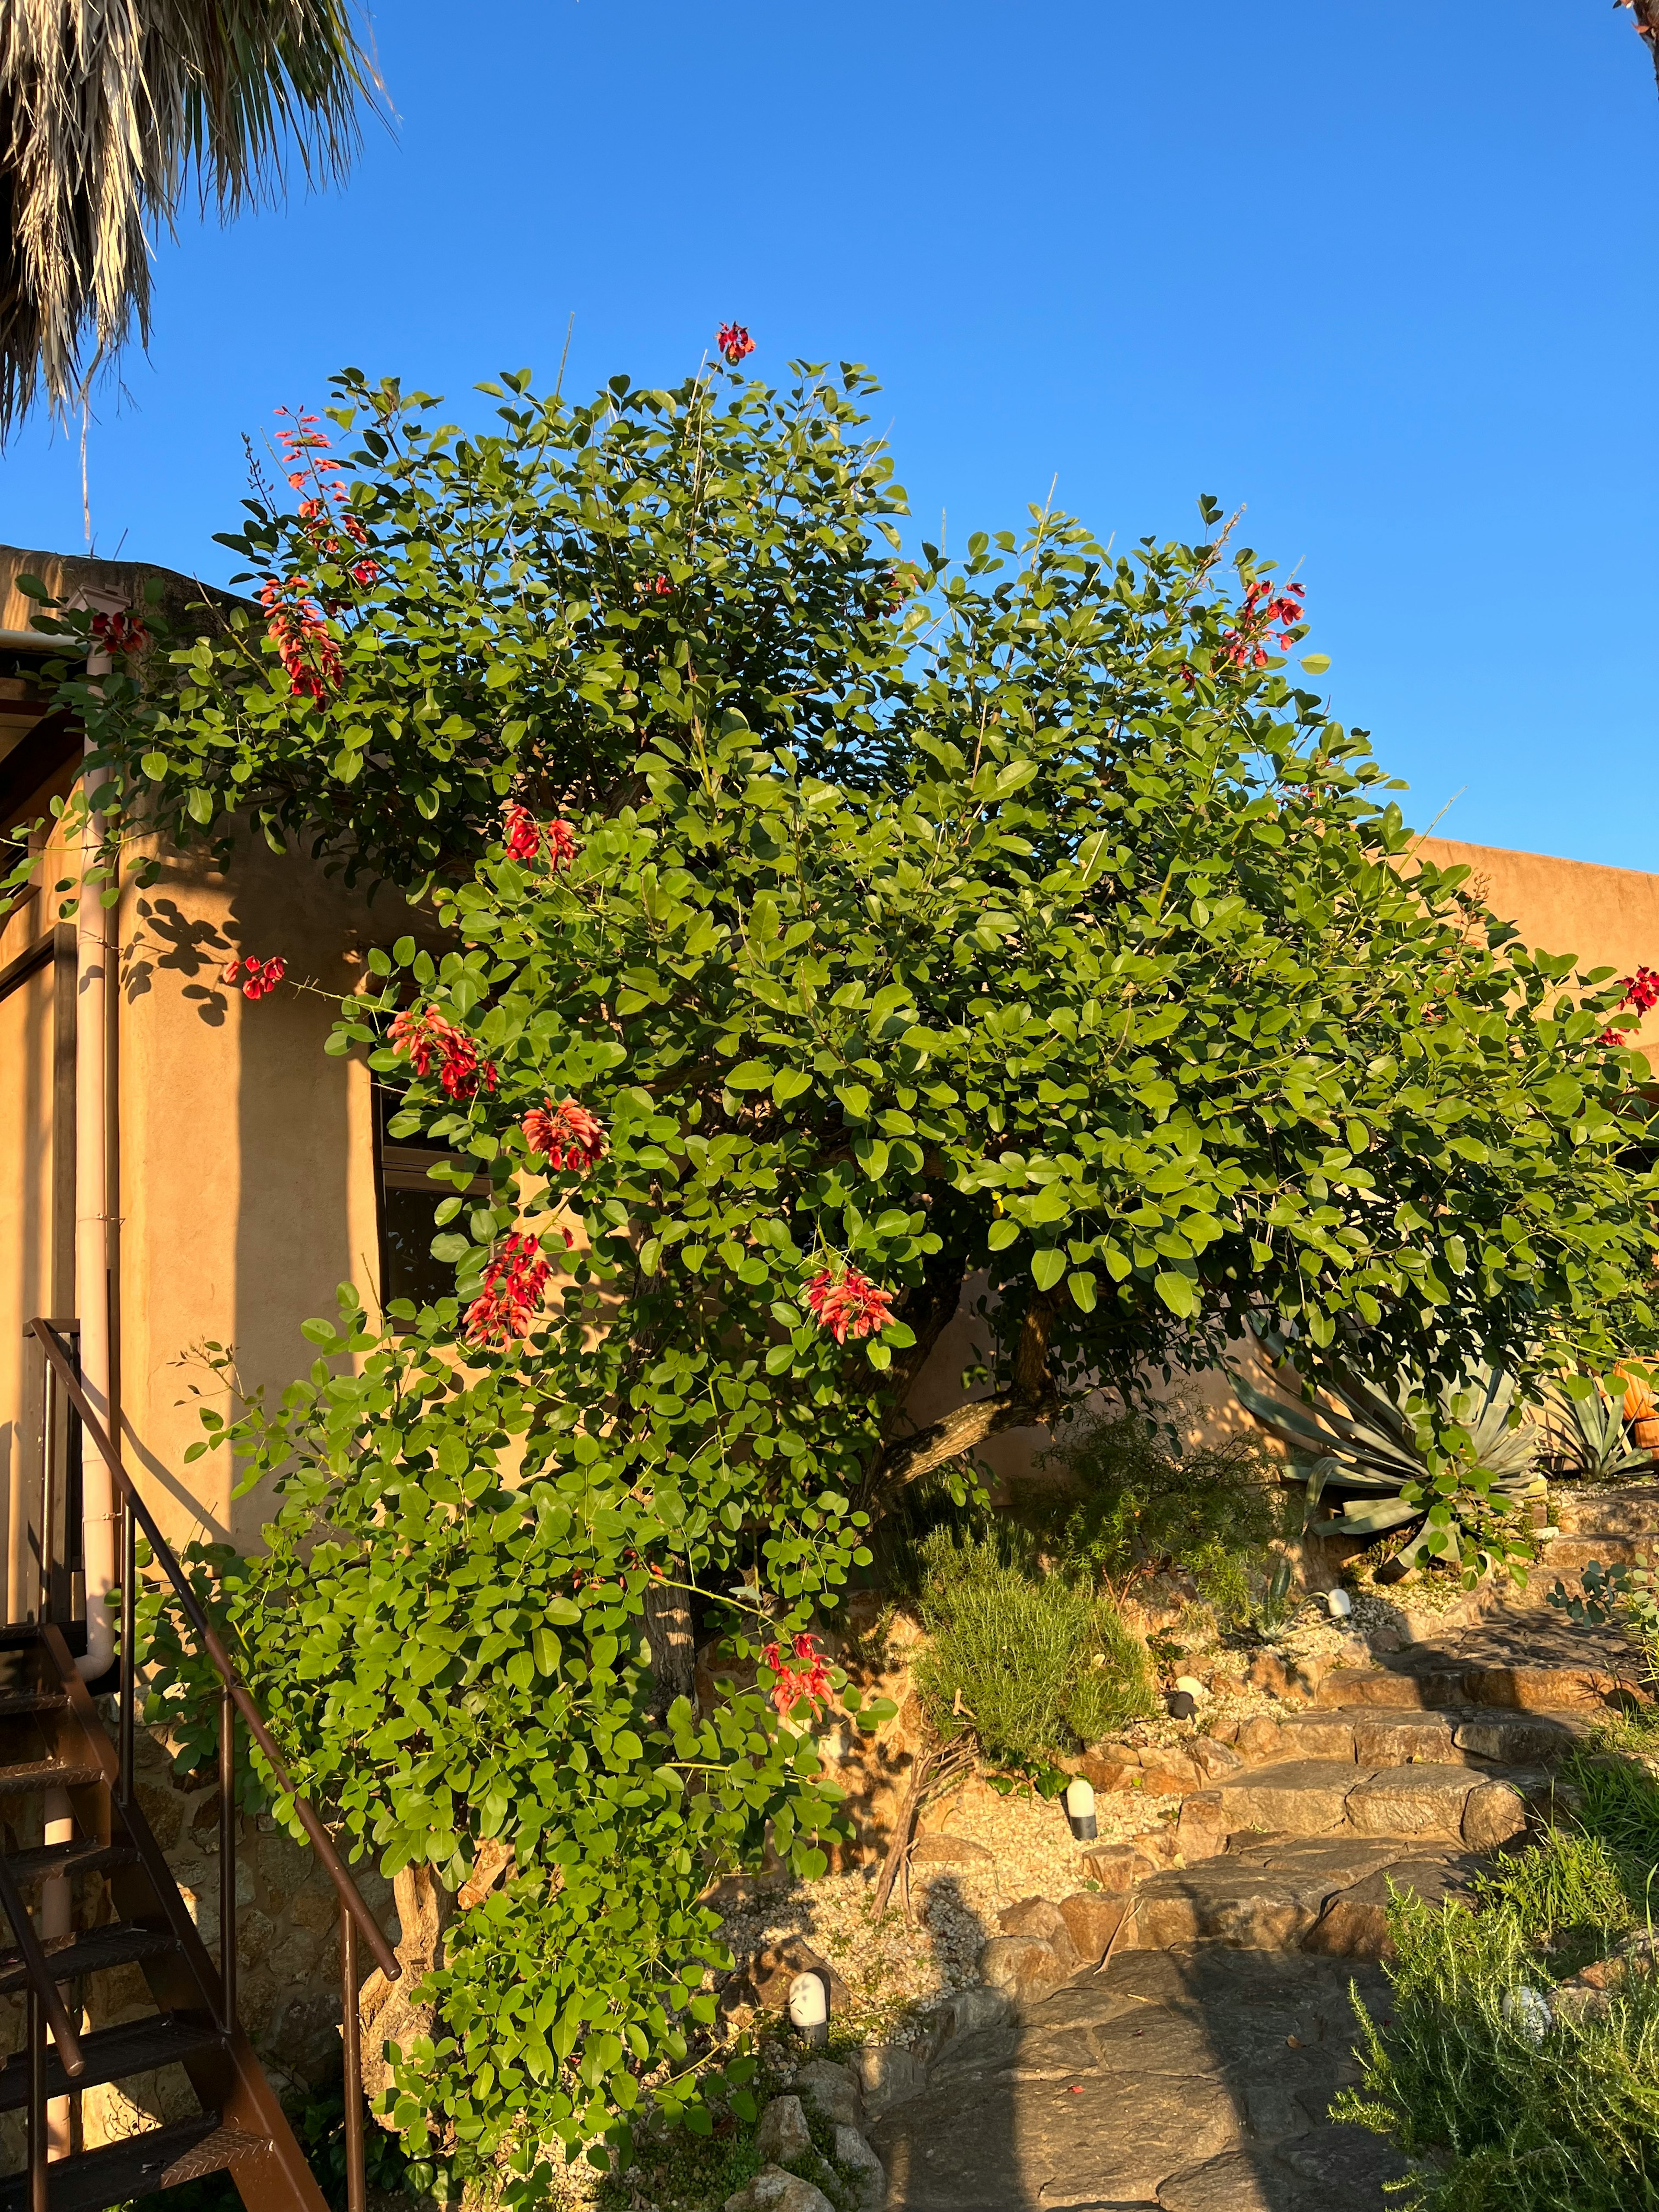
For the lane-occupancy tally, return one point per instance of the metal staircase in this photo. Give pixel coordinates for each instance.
(128, 1909)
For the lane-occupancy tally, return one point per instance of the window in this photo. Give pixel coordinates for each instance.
(409, 1199)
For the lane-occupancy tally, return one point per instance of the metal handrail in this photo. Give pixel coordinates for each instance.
(349, 1896)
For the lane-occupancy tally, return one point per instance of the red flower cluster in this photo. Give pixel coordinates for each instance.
(525, 837)
(1642, 992)
(513, 1286)
(430, 1040)
(295, 627)
(809, 1680)
(258, 978)
(1262, 612)
(735, 342)
(569, 1134)
(302, 447)
(852, 1306)
(120, 632)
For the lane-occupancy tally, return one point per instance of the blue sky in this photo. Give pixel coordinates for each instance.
(1387, 275)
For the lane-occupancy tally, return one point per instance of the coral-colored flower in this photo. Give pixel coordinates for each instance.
(429, 1041)
(295, 627)
(513, 1286)
(121, 632)
(527, 838)
(1245, 646)
(809, 1680)
(569, 1134)
(735, 342)
(848, 1305)
(258, 978)
(524, 839)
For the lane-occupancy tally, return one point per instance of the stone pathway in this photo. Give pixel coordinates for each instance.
(1186, 2080)
(1194, 2071)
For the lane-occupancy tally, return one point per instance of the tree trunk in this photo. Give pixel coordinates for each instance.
(668, 1633)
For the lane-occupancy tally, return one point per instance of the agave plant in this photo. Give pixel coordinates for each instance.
(1588, 1438)
(1360, 1436)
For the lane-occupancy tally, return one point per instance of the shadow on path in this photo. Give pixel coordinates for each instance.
(1194, 2080)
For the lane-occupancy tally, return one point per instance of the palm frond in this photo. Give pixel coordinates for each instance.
(108, 110)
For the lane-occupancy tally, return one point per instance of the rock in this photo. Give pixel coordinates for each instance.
(1203, 1827)
(1355, 1923)
(967, 2011)
(1425, 1799)
(1091, 1918)
(1022, 1967)
(1227, 1901)
(949, 1851)
(1493, 1813)
(1169, 1773)
(1117, 1867)
(1237, 2181)
(1226, 1686)
(1107, 1766)
(1038, 1917)
(1316, 1735)
(854, 2155)
(783, 2133)
(772, 1970)
(736, 1892)
(1258, 1737)
(1516, 1742)
(1268, 1673)
(772, 2189)
(1303, 1796)
(1216, 1758)
(833, 2089)
(1397, 1740)
(887, 2076)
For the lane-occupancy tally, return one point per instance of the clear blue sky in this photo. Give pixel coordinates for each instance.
(1386, 275)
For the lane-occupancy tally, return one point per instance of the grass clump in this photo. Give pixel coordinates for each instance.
(1519, 2105)
(1032, 1664)
(1132, 1505)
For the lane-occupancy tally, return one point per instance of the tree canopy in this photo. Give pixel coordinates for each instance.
(834, 936)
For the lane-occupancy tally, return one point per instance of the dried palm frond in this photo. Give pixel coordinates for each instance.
(109, 109)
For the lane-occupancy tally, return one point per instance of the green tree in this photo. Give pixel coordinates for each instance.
(866, 936)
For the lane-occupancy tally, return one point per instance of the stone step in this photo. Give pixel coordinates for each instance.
(1455, 1736)
(1630, 1508)
(1450, 1803)
(1571, 1550)
(1324, 1894)
(1433, 1681)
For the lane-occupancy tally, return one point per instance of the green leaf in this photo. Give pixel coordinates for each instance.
(1048, 1267)
(1315, 663)
(749, 1075)
(789, 1083)
(1178, 1293)
(1082, 1287)
(1001, 1233)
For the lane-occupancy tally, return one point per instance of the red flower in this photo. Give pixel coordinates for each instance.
(794, 1683)
(735, 342)
(569, 1134)
(1245, 647)
(258, 978)
(513, 1286)
(853, 1305)
(428, 1039)
(525, 837)
(295, 627)
(121, 632)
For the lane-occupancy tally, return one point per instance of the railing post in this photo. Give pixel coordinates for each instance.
(128, 1654)
(227, 1854)
(34, 2030)
(351, 2038)
(48, 1490)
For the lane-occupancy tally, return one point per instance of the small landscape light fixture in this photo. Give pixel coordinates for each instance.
(1339, 1604)
(1081, 1810)
(1181, 1704)
(809, 2007)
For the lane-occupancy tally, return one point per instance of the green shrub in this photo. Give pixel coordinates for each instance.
(1033, 1664)
(1132, 1505)
(1565, 2116)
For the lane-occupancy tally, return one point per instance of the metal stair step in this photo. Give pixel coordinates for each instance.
(37, 1774)
(162, 2158)
(91, 1952)
(14, 1703)
(136, 2046)
(82, 1856)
